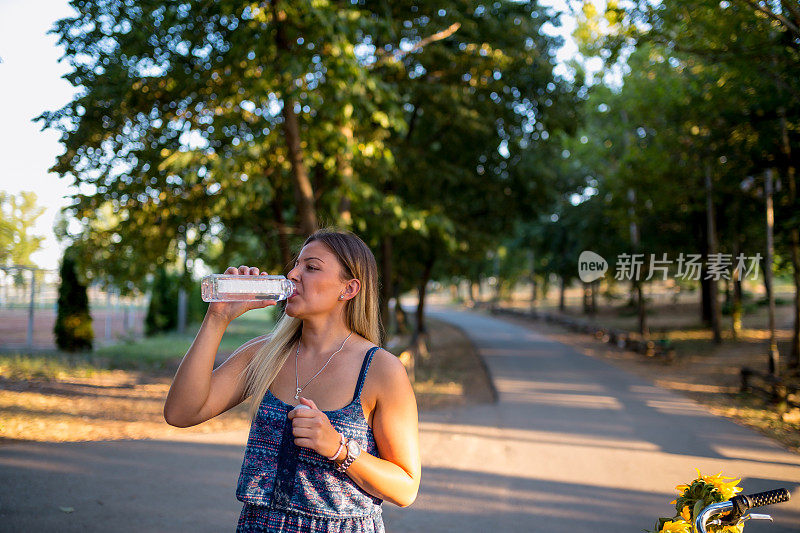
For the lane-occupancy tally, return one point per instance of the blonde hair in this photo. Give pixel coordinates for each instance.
(362, 313)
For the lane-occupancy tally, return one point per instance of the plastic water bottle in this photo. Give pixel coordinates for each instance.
(235, 288)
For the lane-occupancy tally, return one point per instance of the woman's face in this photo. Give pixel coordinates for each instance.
(317, 275)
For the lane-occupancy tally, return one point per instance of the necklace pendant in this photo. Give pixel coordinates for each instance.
(297, 396)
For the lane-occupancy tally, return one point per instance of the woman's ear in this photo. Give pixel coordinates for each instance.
(351, 289)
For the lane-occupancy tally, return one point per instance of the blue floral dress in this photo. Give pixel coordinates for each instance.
(288, 488)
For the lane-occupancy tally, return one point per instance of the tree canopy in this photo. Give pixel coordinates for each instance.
(17, 241)
(226, 132)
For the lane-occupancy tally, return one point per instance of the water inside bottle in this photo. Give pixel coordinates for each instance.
(235, 288)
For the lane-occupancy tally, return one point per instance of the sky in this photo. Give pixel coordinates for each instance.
(31, 82)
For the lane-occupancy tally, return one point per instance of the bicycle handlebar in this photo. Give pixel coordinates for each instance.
(738, 505)
(760, 499)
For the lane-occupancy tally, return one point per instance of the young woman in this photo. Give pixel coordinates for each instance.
(326, 466)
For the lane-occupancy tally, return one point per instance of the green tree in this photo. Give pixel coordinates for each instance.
(200, 123)
(755, 97)
(476, 104)
(19, 214)
(222, 125)
(73, 327)
(162, 311)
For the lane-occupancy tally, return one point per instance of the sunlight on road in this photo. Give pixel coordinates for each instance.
(573, 440)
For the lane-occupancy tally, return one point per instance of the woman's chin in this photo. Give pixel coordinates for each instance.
(292, 310)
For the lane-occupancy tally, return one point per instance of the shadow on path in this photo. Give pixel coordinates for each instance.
(124, 486)
(463, 500)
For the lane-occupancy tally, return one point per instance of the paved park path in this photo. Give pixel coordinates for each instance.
(573, 445)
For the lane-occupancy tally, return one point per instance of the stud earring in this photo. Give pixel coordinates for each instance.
(341, 296)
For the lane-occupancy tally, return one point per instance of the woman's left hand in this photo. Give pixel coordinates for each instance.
(312, 429)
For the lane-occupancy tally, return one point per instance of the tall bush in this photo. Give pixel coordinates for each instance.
(73, 328)
(162, 313)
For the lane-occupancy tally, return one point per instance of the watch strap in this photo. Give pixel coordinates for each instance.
(350, 457)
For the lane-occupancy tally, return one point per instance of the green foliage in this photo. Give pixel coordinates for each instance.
(73, 327)
(420, 125)
(19, 214)
(162, 311)
(679, 100)
(477, 106)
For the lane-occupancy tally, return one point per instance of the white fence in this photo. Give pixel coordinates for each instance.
(28, 306)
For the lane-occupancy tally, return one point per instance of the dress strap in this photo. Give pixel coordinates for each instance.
(363, 374)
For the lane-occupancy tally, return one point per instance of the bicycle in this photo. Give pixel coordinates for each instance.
(735, 509)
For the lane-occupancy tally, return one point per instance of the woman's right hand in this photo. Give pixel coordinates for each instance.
(227, 311)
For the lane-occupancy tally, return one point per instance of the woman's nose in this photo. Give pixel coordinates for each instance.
(292, 275)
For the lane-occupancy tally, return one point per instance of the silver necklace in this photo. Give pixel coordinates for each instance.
(297, 379)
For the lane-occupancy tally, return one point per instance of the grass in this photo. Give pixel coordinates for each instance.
(159, 352)
(47, 367)
(156, 353)
(57, 398)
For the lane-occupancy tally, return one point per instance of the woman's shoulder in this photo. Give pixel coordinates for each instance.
(387, 368)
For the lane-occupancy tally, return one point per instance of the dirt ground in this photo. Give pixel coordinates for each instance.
(122, 404)
(709, 376)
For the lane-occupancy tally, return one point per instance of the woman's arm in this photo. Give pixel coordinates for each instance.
(395, 476)
(198, 392)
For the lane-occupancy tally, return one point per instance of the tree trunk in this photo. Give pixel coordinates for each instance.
(586, 290)
(644, 331)
(593, 302)
(794, 355)
(736, 304)
(387, 286)
(712, 249)
(632, 298)
(562, 289)
(400, 316)
(283, 230)
(344, 162)
(772, 349)
(420, 328)
(474, 291)
(304, 192)
(705, 286)
(794, 240)
(705, 297)
(727, 291)
(545, 287)
(533, 280)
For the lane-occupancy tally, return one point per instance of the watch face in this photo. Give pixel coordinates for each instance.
(353, 448)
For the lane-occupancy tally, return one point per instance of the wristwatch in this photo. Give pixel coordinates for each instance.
(353, 451)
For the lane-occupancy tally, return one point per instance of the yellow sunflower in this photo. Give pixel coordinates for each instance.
(728, 489)
(676, 526)
(686, 513)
